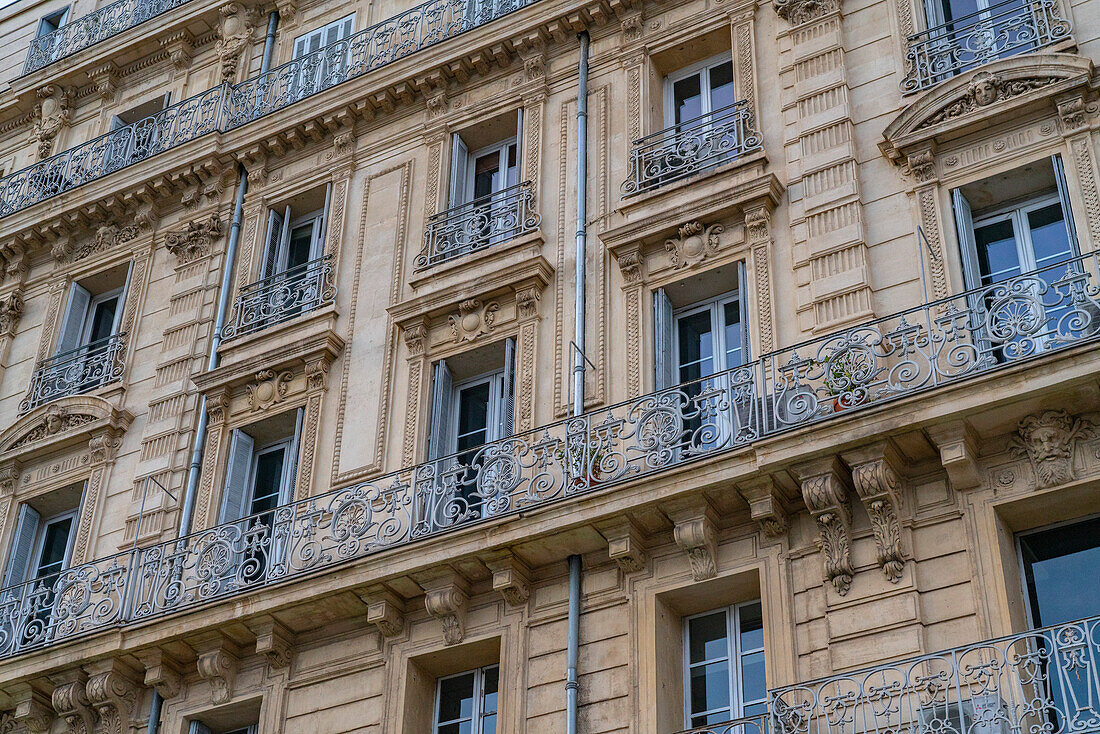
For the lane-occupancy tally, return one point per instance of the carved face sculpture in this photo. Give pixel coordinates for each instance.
(1047, 439)
(984, 89)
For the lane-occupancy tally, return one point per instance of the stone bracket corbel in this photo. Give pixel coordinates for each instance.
(385, 610)
(113, 692)
(274, 641)
(31, 709)
(162, 672)
(511, 577)
(445, 597)
(70, 701)
(765, 502)
(958, 445)
(695, 532)
(625, 543)
(218, 661)
(825, 489)
(877, 480)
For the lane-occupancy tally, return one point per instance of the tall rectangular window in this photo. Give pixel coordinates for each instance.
(724, 675)
(326, 35)
(467, 703)
(698, 90)
(53, 21)
(43, 540)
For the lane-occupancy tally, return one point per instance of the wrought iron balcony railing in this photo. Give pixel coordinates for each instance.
(757, 724)
(281, 297)
(172, 126)
(88, 30)
(683, 150)
(76, 371)
(936, 344)
(1041, 681)
(228, 107)
(484, 222)
(1004, 29)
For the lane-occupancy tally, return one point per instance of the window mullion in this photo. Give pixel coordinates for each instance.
(1024, 246)
(734, 649)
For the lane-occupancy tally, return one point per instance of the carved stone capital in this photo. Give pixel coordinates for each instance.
(527, 302)
(317, 373)
(70, 701)
(825, 489)
(1073, 112)
(511, 577)
(217, 406)
(217, 663)
(630, 265)
(416, 337)
(31, 709)
(162, 672)
(114, 695)
(103, 447)
(625, 544)
(797, 12)
(922, 165)
(694, 530)
(445, 598)
(958, 446)
(758, 225)
(274, 641)
(385, 610)
(195, 239)
(765, 504)
(877, 481)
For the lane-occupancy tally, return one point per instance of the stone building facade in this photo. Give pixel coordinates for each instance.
(288, 334)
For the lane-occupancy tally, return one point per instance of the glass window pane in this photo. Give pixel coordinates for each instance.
(998, 257)
(53, 547)
(707, 638)
(489, 724)
(696, 344)
(721, 86)
(486, 169)
(473, 416)
(956, 9)
(489, 690)
(731, 318)
(1055, 562)
(751, 621)
(687, 99)
(710, 687)
(269, 476)
(753, 687)
(456, 698)
(1049, 236)
(301, 237)
(103, 319)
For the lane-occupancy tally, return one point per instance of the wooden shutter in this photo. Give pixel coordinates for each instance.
(508, 390)
(122, 299)
(274, 235)
(290, 475)
(235, 494)
(1063, 196)
(662, 340)
(964, 228)
(460, 162)
(73, 323)
(26, 531)
(317, 246)
(442, 389)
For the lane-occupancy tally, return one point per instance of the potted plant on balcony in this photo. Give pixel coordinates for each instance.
(580, 474)
(842, 380)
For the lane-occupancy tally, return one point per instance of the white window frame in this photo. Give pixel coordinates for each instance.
(89, 313)
(321, 32)
(494, 414)
(501, 181)
(734, 652)
(63, 18)
(715, 306)
(317, 218)
(478, 712)
(285, 481)
(697, 69)
(40, 541)
(1021, 232)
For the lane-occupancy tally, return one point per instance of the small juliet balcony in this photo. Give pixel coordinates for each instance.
(1043, 681)
(482, 223)
(77, 371)
(1004, 29)
(90, 29)
(683, 150)
(282, 297)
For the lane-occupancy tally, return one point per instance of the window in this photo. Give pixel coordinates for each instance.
(197, 727)
(50, 23)
(724, 675)
(1054, 561)
(41, 547)
(698, 90)
(292, 241)
(484, 172)
(262, 468)
(326, 35)
(467, 703)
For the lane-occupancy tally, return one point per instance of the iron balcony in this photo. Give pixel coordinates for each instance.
(76, 371)
(283, 296)
(481, 223)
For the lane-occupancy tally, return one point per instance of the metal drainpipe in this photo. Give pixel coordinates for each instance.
(212, 361)
(154, 713)
(269, 42)
(571, 685)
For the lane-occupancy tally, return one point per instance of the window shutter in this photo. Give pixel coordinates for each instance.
(662, 340)
(519, 147)
(317, 246)
(73, 324)
(964, 228)
(508, 390)
(742, 305)
(197, 727)
(441, 410)
(19, 562)
(460, 161)
(122, 299)
(274, 234)
(290, 476)
(1063, 196)
(241, 448)
(300, 46)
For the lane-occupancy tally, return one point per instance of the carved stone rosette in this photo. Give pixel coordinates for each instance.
(825, 491)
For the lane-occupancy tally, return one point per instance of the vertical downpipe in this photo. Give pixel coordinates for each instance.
(269, 41)
(571, 684)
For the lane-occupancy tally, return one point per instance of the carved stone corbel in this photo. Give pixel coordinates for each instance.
(511, 577)
(31, 709)
(958, 446)
(765, 504)
(11, 310)
(274, 641)
(195, 239)
(630, 265)
(694, 530)
(70, 701)
(625, 544)
(797, 12)
(180, 47)
(114, 695)
(217, 663)
(51, 116)
(385, 610)
(825, 489)
(162, 672)
(877, 481)
(445, 598)
(234, 33)
(105, 79)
